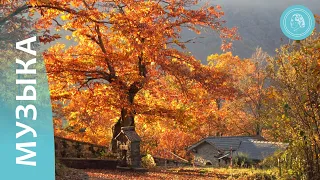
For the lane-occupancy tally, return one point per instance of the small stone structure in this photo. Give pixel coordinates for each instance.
(128, 145)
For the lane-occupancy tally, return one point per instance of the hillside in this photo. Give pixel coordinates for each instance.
(258, 24)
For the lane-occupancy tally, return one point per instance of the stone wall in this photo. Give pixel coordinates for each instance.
(205, 153)
(74, 153)
(67, 148)
(79, 163)
(170, 162)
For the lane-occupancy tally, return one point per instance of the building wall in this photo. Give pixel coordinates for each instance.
(206, 153)
(135, 154)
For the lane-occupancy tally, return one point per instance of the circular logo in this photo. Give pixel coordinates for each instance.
(297, 22)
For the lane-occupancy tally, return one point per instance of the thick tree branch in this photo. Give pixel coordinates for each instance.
(14, 13)
(71, 11)
(101, 44)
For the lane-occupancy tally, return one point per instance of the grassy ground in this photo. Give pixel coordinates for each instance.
(232, 173)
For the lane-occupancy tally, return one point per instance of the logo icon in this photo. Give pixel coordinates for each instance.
(297, 22)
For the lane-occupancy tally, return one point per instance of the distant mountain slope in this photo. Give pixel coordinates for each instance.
(258, 23)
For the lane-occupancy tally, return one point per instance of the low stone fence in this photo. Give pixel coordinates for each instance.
(82, 155)
(67, 148)
(170, 162)
(80, 163)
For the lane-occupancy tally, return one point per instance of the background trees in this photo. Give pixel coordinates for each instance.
(244, 114)
(15, 22)
(294, 113)
(15, 25)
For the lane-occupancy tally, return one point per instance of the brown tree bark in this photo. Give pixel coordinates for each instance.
(128, 113)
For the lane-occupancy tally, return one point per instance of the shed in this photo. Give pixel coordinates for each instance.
(128, 143)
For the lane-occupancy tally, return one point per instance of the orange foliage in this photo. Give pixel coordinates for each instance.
(124, 58)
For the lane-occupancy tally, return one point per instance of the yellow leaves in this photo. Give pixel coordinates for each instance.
(73, 115)
(219, 61)
(56, 48)
(191, 68)
(138, 41)
(68, 37)
(165, 46)
(212, 57)
(144, 126)
(52, 13)
(64, 17)
(75, 3)
(31, 12)
(147, 95)
(38, 2)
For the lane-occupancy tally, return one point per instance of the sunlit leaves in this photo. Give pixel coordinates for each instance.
(124, 48)
(294, 111)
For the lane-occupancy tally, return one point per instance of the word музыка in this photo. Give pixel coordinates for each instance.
(28, 89)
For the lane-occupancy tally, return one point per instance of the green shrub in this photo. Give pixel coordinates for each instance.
(148, 162)
(261, 176)
(242, 159)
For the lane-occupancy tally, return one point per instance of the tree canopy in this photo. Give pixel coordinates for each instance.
(128, 60)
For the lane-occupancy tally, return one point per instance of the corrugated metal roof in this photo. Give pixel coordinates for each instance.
(256, 147)
(258, 150)
(228, 142)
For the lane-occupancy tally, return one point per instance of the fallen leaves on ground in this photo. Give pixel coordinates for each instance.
(151, 175)
(168, 174)
(72, 174)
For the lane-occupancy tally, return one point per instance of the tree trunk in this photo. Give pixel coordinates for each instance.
(258, 130)
(126, 119)
(128, 112)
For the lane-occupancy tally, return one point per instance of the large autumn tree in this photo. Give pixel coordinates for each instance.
(122, 47)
